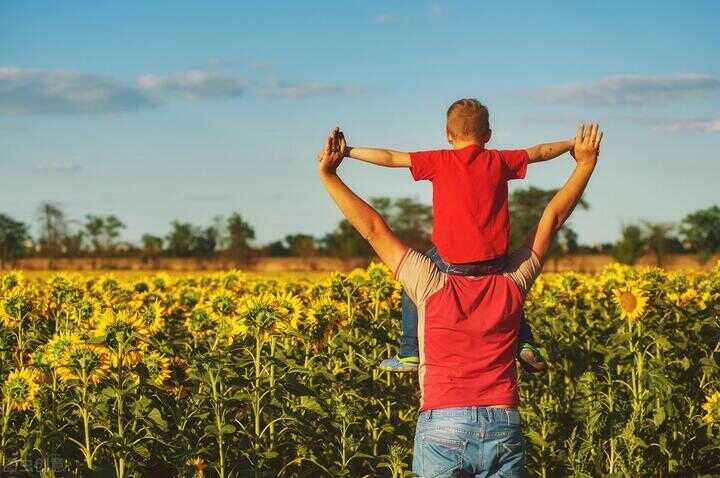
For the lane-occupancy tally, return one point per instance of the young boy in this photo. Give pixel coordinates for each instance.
(470, 210)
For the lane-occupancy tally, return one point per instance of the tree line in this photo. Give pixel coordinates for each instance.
(233, 237)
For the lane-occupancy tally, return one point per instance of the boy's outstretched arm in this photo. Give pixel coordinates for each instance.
(360, 214)
(546, 151)
(381, 157)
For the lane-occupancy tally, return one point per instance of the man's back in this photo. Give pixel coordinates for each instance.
(470, 199)
(468, 331)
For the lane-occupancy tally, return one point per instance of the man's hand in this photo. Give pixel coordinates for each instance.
(587, 144)
(331, 155)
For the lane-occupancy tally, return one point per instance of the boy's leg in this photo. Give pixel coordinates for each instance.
(408, 358)
(409, 339)
(529, 355)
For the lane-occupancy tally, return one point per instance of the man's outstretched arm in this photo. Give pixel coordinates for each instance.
(587, 145)
(368, 222)
(548, 151)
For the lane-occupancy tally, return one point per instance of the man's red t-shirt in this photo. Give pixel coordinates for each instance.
(470, 199)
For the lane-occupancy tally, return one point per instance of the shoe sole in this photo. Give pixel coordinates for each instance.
(399, 370)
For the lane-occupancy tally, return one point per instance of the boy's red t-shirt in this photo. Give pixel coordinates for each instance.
(470, 199)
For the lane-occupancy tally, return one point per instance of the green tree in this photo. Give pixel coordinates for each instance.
(526, 208)
(103, 231)
(345, 242)
(410, 219)
(701, 231)
(240, 234)
(13, 236)
(301, 245)
(631, 245)
(659, 240)
(53, 227)
(151, 245)
(180, 239)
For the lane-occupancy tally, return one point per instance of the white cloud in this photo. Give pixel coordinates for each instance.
(58, 167)
(438, 11)
(622, 90)
(287, 89)
(37, 91)
(700, 125)
(194, 84)
(385, 19)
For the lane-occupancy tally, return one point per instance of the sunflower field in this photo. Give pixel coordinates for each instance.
(225, 375)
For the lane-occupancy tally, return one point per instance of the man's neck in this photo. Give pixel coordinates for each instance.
(465, 144)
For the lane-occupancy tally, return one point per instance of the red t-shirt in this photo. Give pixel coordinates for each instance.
(467, 330)
(470, 199)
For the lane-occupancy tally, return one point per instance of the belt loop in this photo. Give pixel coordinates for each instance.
(429, 414)
(507, 415)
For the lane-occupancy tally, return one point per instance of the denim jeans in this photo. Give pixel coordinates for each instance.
(469, 442)
(409, 339)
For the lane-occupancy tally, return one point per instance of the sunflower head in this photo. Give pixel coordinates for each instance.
(158, 368)
(152, 316)
(11, 280)
(198, 465)
(15, 307)
(122, 326)
(712, 408)
(199, 322)
(631, 301)
(289, 311)
(259, 311)
(20, 388)
(222, 303)
(85, 363)
(323, 317)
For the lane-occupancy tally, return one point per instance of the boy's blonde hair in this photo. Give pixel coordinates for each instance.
(468, 119)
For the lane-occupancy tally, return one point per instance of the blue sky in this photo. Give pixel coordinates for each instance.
(162, 110)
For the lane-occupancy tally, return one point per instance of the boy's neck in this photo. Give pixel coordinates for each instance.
(464, 144)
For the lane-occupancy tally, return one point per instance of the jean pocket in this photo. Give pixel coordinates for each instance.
(442, 454)
(511, 456)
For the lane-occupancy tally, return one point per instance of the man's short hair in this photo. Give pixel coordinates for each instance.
(468, 119)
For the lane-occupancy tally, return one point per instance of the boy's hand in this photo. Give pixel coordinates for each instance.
(587, 144)
(330, 156)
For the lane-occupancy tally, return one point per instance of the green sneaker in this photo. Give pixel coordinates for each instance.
(531, 359)
(400, 364)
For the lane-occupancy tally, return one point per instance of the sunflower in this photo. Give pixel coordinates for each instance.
(259, 312)
(85, 362)
(323, 317)
(199, 322)
(198, 464)
(14, 307)
(631, 301)
(20, 388)
(222, 303)
(712, 408)
(123, 327)
(158, 367)
(11, 280)
(227, 328)
(290, 309)
(151, 315)
(51, 354)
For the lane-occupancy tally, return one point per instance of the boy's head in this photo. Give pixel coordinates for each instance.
(468, 122)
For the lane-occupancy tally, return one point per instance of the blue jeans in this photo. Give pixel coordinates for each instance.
(469, 442)
(409, 340)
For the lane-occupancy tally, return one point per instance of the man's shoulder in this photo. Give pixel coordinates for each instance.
(523, 267)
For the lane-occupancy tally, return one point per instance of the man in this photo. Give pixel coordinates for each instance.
(467, 328)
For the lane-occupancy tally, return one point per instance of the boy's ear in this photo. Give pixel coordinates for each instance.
(488, 135)
(449, 135)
